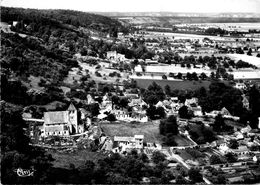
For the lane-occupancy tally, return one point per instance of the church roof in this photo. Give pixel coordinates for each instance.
(224, 111)
(56, 117)
(72, 107)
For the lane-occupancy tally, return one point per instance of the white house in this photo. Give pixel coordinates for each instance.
(240, 86)
(122, 115)
(125, 143)
(114, 56)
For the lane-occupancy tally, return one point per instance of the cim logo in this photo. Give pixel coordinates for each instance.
(24, 172)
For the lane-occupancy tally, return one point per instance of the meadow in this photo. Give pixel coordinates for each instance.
(150, 130)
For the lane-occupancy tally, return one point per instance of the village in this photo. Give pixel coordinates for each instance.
(235, 152)
(160, 102)
(122, 122)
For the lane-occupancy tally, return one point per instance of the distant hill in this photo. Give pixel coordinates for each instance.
(181, 14)
(170, 18)
(169, 21)
(70, 17)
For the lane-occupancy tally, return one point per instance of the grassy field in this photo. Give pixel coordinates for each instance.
(78, 158)
(150, 131)
(180, 85)
(182, 141)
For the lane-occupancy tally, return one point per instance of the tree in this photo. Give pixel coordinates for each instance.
(166, 176)
(169, 126)
(151, 112)
(195, 175)
(123, 102)
(221, 179)
(231, 157)
(164, 77)
(179, 76)
(111, 117)
(254, 100)
(167, 90)
(215, 159)
(153, 94)
(233, 144)
(203, 76)
(249, 52)
(218, 123)
(183, 112)
(194, 76)
(189, 76)
(181, 180)
(212, 75)
(169, 140)
(16, 151)
(158, 157)
(160, 112)
(94, 109)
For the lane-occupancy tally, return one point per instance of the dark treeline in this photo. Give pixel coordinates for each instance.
(55, 17)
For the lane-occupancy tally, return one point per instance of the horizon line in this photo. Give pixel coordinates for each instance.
(134, 11)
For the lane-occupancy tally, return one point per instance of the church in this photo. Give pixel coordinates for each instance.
(62, 123)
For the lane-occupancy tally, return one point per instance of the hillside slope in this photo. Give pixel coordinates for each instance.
(59, 18)
(41, 46)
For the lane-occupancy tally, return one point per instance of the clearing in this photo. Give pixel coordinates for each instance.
(150, 130)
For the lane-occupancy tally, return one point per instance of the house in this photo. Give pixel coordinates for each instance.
(223, 148)
(197, 111)
(245, 102)
(114, 56)
(225, 112)
(62, 123)
(127, 116)
(160, 104)
(191, 102)
(90, 99)
(240, 86)
(174, 99)
(139, 102)
(125, 143)
(241, 151)
(246, 129)
(85, 115)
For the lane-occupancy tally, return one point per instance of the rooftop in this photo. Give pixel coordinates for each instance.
(56, 117)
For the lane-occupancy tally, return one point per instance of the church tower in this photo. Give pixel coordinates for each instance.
(73, 119)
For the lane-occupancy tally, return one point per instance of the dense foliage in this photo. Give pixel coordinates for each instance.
(16, 151)
(169, 128)
(118, 169)
(201, 134)
(59, 18)
(221, 95)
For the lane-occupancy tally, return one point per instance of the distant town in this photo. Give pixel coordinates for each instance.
(95, 100)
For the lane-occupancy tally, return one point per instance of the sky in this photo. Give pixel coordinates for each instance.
(196, 6)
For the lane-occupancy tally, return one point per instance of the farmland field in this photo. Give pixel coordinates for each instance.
(181, 85)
